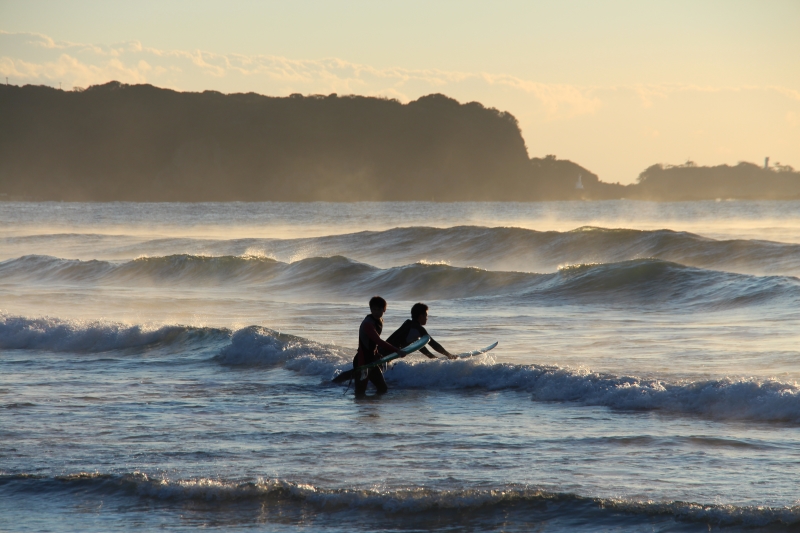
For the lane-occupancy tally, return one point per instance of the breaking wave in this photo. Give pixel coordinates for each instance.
(731, 398)
(512, 507)
(81, 336)
(490, 248)
(261, 347)
(725, 399)
(526, 250)
(641, 281)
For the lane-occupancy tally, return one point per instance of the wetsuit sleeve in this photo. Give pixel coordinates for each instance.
(372, 333)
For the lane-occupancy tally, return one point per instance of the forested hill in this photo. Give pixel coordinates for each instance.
(139, 142)
(142, 143)
(745, 181)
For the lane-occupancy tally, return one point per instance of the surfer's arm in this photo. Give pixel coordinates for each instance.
(439, 348)
(427, 352)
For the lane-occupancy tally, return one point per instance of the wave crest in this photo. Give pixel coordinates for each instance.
(490, 248)
(261, 347)
(639, 281)
(409, 505)
(765, 400)
(81, 336)
(723, 399)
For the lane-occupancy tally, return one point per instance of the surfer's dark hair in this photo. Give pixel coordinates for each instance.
(376, 302)
(417, 309)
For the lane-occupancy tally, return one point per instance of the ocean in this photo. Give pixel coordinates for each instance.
(168, 366)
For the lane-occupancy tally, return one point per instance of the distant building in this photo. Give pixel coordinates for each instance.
(766, 163)
(579, 185)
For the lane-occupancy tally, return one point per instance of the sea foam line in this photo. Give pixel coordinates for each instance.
(729, 398)
(481, 502)
(91, 336)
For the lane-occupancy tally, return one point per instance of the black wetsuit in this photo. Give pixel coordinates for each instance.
(410, 331)
(369, 342)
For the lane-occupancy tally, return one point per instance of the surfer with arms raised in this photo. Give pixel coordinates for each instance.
(369, 342)
(412, 330)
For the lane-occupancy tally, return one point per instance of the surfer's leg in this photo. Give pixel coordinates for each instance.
(376, 377)
(361, 386)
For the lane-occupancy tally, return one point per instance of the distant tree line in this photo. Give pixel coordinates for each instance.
(691, 182)
(142, 143)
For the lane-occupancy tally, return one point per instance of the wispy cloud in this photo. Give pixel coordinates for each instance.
(36, 58)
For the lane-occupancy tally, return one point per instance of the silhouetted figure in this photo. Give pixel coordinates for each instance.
(369, 341)
(414, 329)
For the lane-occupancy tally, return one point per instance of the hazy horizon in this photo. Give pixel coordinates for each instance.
(615, 86)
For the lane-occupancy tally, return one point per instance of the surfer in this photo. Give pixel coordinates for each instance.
(412, 330)
(369, 342)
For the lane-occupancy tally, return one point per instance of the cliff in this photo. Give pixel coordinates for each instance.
(142, 143)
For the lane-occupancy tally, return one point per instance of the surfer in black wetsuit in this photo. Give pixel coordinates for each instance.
(412, 330)
(369, 342)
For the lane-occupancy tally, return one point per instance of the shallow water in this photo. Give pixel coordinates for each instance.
(168, 366)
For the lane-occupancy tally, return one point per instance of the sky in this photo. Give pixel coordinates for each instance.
(614, 85)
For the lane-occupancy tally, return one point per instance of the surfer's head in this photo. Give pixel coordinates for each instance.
(419, 312)
(378, 306)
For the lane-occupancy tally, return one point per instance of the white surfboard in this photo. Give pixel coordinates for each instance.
(477, 352)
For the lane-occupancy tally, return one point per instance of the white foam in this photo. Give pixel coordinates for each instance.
(256, 346)
(729, 398)
(418, 499)
(81, 336)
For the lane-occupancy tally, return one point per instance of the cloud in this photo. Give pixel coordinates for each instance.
(72, 72)
(791, 93)
(647, 93)
(36, 58)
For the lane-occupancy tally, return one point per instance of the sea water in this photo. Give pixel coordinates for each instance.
(168, 366)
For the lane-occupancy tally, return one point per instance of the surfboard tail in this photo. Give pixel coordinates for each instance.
(344, 376)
